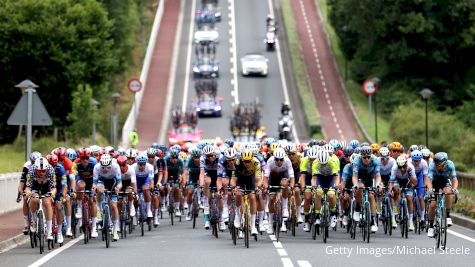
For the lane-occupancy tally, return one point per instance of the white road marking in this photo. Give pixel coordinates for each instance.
(461, 235)
(55, 252)
(272, 237)
(287, 262)
(304, 264)
(188, 58)
(232, 21)
(277, 244)
(282, 252)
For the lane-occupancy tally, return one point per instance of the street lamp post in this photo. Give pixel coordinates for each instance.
(345, 30)
(95, 104)
(28, 87)
(115, 115)
(426, 94)
(376, 81)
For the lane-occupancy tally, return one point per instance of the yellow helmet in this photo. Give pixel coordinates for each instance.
(246, 154)
(273, 146)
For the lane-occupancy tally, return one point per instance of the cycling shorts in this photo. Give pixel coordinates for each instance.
(325, 181)
(41, 188)
(88, 182)
(275, 178)
(246, 182)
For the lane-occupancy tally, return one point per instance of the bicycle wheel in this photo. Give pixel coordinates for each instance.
(106, 225)
(443, 229)
(85, 223)
(406, 220)
(293, 216)
(368, 221)
(278, 219)
(246, 226)
(325, 221)
(417, 216)
(142, 218)
(32, 239)
(41, 231)
(384, 216)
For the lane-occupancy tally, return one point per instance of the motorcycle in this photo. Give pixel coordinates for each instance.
(270, 40)
(285, 127)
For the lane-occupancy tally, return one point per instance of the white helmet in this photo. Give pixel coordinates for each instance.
(230, 153)
(106, 160)
(384, 151)
(401, 160)
(323, 157)
(312, 153)
(209, 149)
(425, 152)
(41, 164)
(279, 153)
(131, 153)
(329, 148)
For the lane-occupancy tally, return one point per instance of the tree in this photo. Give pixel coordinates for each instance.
(82, 115)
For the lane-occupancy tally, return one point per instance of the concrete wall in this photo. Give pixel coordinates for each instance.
(8, 192)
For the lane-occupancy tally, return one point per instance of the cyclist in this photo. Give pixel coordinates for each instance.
(131, 154)
(84, 179)
(295, 158)
(22, 185)
(41, 182)
(325, 173)
(226, 166)
(441, 175)
(345, 159)
(421, 168)
(157, 176)
(192, 172)
(396, 149)
(426, 155)
(307, 182)
(107, 176)
(129, 182)
(375, 148)
(173, 175)
(69, 166)
(277, 173)
(61, 185)
(209, 178)
(366, 168)
(247, 174)
(402, 175)
(144, 176)
(347, 183)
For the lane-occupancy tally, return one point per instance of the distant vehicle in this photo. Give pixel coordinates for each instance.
(208, 14)
(208, 105)
(206, 34)
(184, 133)
(206, 66)
(254, 64)
(270, 40)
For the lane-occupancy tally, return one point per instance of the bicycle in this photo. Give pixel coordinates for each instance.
(352, 223)
(40, 234)
(195, 206)
(403, 213)
(292, 213)
(325, 214)
(106, 218)
(440, 222)
(278, 211)
(214, 211)
(143, 214)
(232, 214)
(55, 228)
(125, 218)
(246, 216)
(417, 219)
(86, 226)
(171, 201)
(386, 213)
(365, 223)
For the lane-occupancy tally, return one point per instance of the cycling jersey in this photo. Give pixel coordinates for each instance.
(367, 172)
(421, 171)
(441, 179)
(24, 172)
(225, 169)
(108, 176)
(128, 177)
(385, 169)
(174, 170)
(210, 168)
(402, 179)
(61, 180)
(286, 166)
(246, 177)
(41, 184)
(143, 177)
(347, 175)
(343, 163)
(332, 168)
(306, 168)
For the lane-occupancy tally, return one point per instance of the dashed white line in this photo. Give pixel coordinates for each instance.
(287, 262)
(277, 244)
(282, 252)
(304, 264)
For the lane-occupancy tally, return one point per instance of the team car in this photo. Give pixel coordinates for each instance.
(206, 34)
(184, 133)
(254, 64)
(208, 105)
(206, 66)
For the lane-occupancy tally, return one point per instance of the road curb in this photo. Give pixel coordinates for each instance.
(462, 220)
(13, 242)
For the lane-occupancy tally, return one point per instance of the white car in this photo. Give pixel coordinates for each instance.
(254, 64)
(206, 34)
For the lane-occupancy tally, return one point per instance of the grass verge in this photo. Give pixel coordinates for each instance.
(299, 73)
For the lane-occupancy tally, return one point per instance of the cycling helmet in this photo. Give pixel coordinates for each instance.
(230, 153)
(270, 140)
(329, 148)
(52, 159)
(416, 155)
(155, 146)
(323, 157)
(71, 154)
(395, 146)
(401, 160)
(321, 142)
(279, 153)
(195, 152)
(131, 153)
(174, 154)
(374, 147)
(84, 153)
(95, 150)
(122, 160)
(290, 148)
(384, 152)
(334, 143)
(151, 152)
(354, 143)
(348, 150)
(413, 147)
(343, 143)
(365, 151)
(246, 154)
(312, 142)
(141, 159)
(60, 152)
(121, 152)
(357, 150)
(312, 153)
(106, 160)
(440, 158)
(229, 142)
(364, 144)
(353, 158)
(425, 152)
(273, 147)
(109, 150)
(41, 164)
(34, 156)
(421, 147)
(208, 150)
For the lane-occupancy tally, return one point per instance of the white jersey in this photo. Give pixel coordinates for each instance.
(397, 175)
(272, 167)
(154, 164)
(386, 169)
(129, 175)
(146, 173)
(110, 172)
(423, 167)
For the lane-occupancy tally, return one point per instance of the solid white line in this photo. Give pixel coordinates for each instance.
(282, 252)
(304, 264)
(188, 57)
(277, 244)
(232, 19)
(287, 262)
(461, 235)
(55, 252)
(282, 73)
(171, 82)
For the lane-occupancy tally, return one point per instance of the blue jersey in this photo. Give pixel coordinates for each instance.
(60, 173)
(85, 172)
(372, 168)
(347, 173)
(447, 173)
(225, 169)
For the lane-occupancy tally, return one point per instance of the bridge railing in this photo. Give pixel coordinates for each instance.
(8, 189)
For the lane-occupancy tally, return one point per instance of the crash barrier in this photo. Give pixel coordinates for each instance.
(132, 117)
(8, 192)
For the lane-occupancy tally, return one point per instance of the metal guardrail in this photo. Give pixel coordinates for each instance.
(466, 180)
(131, 118)
(8, 192)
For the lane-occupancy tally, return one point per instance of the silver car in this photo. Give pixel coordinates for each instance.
(206, 34)
(254, 64)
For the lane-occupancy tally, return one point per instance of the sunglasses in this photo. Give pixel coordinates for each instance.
(247, 161)
(402, 167)
(131, 158)
(151, 157)
(279, 159)
(84, 158)
(141, 164)
(366, 157)
(396, 151)
(210, 156)
(291, 154)
(384, 158)
(40, 172)
(230, 160)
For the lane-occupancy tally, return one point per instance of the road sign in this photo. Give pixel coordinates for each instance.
(369, 87)
(40, 115)
(135, 85)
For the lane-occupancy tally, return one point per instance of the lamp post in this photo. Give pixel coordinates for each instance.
(426, 93)
(376, 81)
(115, 115)
(94, 103)
(28, 87)
(345, 30)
